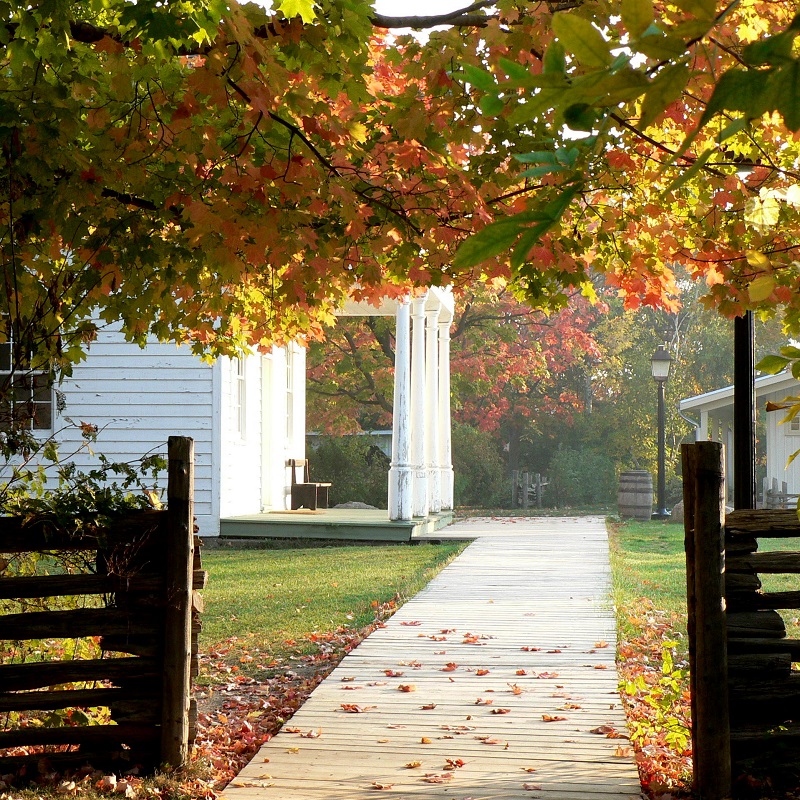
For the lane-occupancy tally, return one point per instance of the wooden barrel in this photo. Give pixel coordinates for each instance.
(635, 497)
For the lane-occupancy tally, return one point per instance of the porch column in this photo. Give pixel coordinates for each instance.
(418, 432)
(432, 407)
(701, 433)
(400, 477)
(445, 432)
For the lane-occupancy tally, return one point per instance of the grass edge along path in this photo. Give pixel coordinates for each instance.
(649, 593)
(312, 606)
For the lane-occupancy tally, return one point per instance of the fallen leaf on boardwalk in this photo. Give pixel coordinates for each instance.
(515, 689)
(602, 730)
(440, 652)
(247, 784)
(546, 675)
(293, 750)
(500, 711)
(450, 667)
(482, 672)
(376, 683)
(432, 777)
(428, 707)
(601, 644)
(529, 769)
(395, 727)
(407, 687)
(447, 630)
(438, 638)
(481, 702)
(531, 787)
(531, 649)
(489, 740)
(552, 718)
(292, 730)
(458, 728)
(378, 785)
(383, 741)
(554, 651)
(412, 664)
(600, 666)
(569, 706)
(391, 673)
(521, 672)
(425, 740)
(350, 688)
(412, 622)
(312, 734)
(622, 752)
(352, 708)
(347, 679)
(453, 763)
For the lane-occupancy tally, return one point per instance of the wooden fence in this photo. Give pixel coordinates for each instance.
(526, 489)
(745, 695)
(146, 613)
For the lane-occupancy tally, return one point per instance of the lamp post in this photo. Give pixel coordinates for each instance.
(659, 366)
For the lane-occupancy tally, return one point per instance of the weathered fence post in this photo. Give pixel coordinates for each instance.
(689, 467)
(705, 512)
(177, 615)
(538, 490)
(526, 489)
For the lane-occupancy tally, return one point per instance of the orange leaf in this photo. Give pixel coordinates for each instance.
(500, 711)
(428, 707)
(425, 740)
(391, 673)
(454, 763)
(482, 672)
(450, 667)
(432, 777)
(378, 785)
(601, 644)
(481, 702)
(552, 718)
(412, 622)
(407, 687)
(352, 708)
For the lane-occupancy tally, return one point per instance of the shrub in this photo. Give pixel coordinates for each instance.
(356, 467)
(581, 478)
(480, 473)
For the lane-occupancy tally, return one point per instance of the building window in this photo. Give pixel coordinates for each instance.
(794, 425)
(239, 397)
(26, 395)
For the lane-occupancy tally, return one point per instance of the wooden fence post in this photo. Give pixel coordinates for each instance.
(526, 489)
(711, 724)
(176, 694)
(689, 469)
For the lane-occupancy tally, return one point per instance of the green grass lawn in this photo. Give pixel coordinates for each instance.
(274, 600)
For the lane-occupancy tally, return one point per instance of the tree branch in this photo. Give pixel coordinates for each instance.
(462, 17)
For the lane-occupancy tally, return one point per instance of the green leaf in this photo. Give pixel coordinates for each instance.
(664, 90)
(772, 364)
(790, 351)
(582, 39)
(637, 15)
(739, 124)
(479, 78)
(580, 117)
(773, 50)
(488, 242)
(514, 70)
(298, 8)
(528, 240)
(658, 45)
(543, 169)
(537, 157)
(491, 105)
(786, 84)
(688, 174)
(737, 90)
(795, 374)
(554, 62)
(761, 288)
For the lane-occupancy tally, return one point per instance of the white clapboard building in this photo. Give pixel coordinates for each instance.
(246, 416)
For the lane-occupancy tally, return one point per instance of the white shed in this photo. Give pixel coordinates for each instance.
(246, 416)
(713, 414)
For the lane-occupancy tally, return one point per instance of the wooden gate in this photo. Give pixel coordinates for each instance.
(745, 695)
(143, 607)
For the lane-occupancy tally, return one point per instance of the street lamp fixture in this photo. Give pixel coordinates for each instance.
(659, 367)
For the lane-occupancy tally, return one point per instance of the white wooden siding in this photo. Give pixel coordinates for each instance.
(781, 443)
(138, 398)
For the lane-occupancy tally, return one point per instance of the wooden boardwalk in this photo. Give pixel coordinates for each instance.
(486, 685)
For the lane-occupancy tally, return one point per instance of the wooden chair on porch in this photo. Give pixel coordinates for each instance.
(306, 493)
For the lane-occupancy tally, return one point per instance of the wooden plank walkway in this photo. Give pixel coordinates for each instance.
(504, 663)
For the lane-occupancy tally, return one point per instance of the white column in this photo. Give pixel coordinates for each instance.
(701, 433)
(400, 477)
(445, 444)
(432, 407)
(418, 448)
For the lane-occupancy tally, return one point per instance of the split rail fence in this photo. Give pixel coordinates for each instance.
(142, 603)
(745, 694)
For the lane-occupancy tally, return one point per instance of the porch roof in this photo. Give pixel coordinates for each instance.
(723, 398)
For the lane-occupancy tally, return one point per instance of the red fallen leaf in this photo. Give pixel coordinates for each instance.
(531, 787)
(412, 622)
(352, 708)
(450, 667)
(481, 702)
(447, 630)
(432, 777)
(428, 707)
(440, 652)
(602, 730)
(482, 672)
(531, 649)
(453, 763)
(407, 687)
(521, 672)
(552, 718)
(600, 666)
(500, 711)
(546, 675)
(379, 785)
(391, 673)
